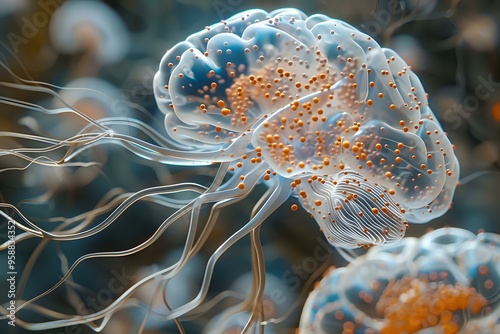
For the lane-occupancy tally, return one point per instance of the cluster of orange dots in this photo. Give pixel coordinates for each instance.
(412, 304)
(279, 83)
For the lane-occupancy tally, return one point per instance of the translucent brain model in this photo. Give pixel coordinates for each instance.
(309, 106)
(318, 105)
(448, 282)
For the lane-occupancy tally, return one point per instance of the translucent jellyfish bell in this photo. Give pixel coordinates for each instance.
(89, 26)
(275, 301)
(306, 106)
(320, 104)
(93, 97)
(163, 295)
(445, 282)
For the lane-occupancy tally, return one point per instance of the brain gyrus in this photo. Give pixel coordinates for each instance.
(445, 282)
(317, 104)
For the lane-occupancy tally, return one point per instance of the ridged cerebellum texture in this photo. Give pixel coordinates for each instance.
(319, 104)
(446, 282)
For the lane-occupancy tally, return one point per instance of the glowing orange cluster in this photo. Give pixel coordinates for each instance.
(292, 97)
(445, 282)
(412, 304)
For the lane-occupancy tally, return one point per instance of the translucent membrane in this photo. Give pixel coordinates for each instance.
(309, 106)
(311, 98)
(448, 281)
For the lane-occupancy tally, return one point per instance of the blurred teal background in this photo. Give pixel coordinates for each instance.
(453, 46)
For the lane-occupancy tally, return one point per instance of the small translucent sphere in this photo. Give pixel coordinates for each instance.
(318, 103)
(448, 281)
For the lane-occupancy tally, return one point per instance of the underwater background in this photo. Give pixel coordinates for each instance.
(453, 47)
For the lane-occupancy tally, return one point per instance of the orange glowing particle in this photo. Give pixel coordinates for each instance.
(495, 111)
(241, 185)
(221, 104)
(294, 207)
(388, 174)
(317, 202)
(225, 111)
(378, 146)
(369, 102)
(346, 144)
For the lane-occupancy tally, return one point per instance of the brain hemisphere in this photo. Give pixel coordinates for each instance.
(313, 96)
